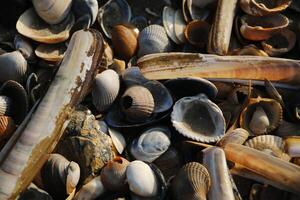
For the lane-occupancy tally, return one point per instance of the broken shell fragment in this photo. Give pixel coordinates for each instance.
(92, 190)
(250, 50)
(31, 26)
(196, 33)
(237, 136)
(292, 146)
(117, 139)
(85, 12)
(51, 52)
(7, 127)
(106, 89)
(191, 182)
(198, 118)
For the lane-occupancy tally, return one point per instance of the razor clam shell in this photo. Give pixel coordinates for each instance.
(178, 65)
(179, 26)
(169, 23)
(24, 155)
(92, 190)
(220, 33)
(51, 52)
(31, 26)
(263, 167)
(215, 162)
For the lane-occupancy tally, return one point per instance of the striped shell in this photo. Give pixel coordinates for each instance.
(5, 105)
(198, 118)
(153, 39)
(54, 52)
(105, 90)
(137, 104)
(192, 182)
(238, 136)
(7, 127)
(113, 175)
(269, 144)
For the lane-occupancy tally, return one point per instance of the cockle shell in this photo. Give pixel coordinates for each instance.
(269, 144)
(238, 136)
(106, 89)
(141, 179)
(198, 118)
(262, 28)
(92, 190)
(292, 146)
(23, 45)
(151, 144)
(264, 7)
(168, 19)
(52, 11)
(7, 127)
(51, 52)
(191, 182)
(261, 116)
(31, 26)
(153, 39)
(196, 32)
(113, 175)
(137, 104)
(5, 105)
(13, 66)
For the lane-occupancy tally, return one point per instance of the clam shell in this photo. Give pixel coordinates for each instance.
(262, 8)
(13, 66)
(141, 179)
(151, 144)
(112, 13)
(237, 136)
(263, 120)
(169, 23)
(196, 32)
(137, 104)
(113, 175)
(262, 28)
(280, 43)
(250, 50)
(292, 146)
(51, 52)
(106, 89)
(85, 11)
(117, 139)
(31, 26)
(52, 11)
(92, 190)
(191, 182)
(186, 13)
(197, 9)
(269, 144)
(153, 39)
(5, 105)
(24, 47)
(179, 26)
(7, 127)
(198, 118)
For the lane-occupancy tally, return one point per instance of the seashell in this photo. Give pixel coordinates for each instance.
(280, 43)
(108, 56)
(124, 39)
(237, 136)
(262, 8)
(23, 45)
(185, 11)
(179, 26)
(137, 104)
(296, 161)
(191, 182)
(7, 127)
(292, 146)
(31, 26)
(198, 118)
(112, 13)
(198, 10)
(151, 144)
(250, 50)
(140, 22)
(92, 190)
(62, 173)
(51, 52)
(215, 162)
(196, 32)
(5, 105)
(105, 90)
(133, 76)
(13, 66)
(118, 66)
(273, 93)
(52, 12)
(169, 22)
(141, 179)
(261, 116)
(262, 28)
(270, 144)
(35, 193)
(113, 175)
(153, 39)
(86, 12)
(117, 139)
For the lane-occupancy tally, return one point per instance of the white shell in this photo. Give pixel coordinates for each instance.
(54, 52)
(169, 23)
(91, 190)
(117, 139)
(198, 118)
(179, 26)
(106, 89)
(259, 122)
(141, 179)
(151, 144)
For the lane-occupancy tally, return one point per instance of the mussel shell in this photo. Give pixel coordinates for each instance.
(7, 127)
(51, 52)
(169, 23)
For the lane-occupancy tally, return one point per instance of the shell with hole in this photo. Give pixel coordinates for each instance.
(261, 116)
(265, 7)
(106, 89)
(238, 136)
(198, 118)
(151, 144)
(292, 146)
(113, 175)
(191, 182)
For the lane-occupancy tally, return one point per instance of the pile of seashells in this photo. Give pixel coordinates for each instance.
(150, 100)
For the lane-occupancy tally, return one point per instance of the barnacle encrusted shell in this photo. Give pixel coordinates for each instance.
(106, 89)
(264, 7)
(192, 182)
(261, 116)
(269, 144)
(198, 118)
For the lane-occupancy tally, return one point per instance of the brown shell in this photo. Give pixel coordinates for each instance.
(7, 127)
(137, 103)
(250, 50)
(196, 32)
(192, 182)
(53, 53)
(113, 175)
(271, 108)
(238, 136)
(262, 28)
(264, 7)
(124, 39)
